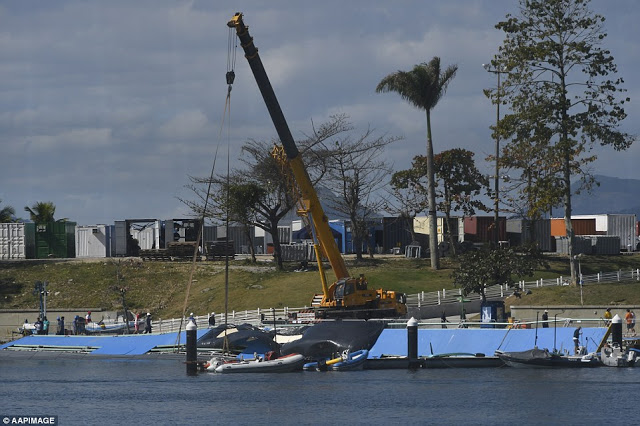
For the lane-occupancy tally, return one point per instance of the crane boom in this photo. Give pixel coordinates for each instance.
(309, 195)
(348, 296)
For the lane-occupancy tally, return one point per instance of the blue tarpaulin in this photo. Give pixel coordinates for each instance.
(131, 344)
(486, 340)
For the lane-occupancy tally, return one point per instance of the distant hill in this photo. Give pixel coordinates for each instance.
(614, 195)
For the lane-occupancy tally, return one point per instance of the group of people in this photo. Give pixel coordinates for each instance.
(629, 319)
(40, 327)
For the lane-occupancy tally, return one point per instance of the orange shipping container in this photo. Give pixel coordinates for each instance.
(580, 227)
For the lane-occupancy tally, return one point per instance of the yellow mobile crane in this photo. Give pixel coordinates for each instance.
(347, 296)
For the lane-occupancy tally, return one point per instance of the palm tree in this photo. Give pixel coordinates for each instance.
(42, 211)
(423, 87)
(6, 214)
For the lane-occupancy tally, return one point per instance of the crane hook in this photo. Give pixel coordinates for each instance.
(230, 77)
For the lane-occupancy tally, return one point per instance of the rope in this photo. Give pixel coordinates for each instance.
(230, 75)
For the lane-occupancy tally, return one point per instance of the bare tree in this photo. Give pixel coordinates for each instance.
(357, 172)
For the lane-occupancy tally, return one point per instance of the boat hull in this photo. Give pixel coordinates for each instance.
(538, 358)
(353, 361)
(284, 364)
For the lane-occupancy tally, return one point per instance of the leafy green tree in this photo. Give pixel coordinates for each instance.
(564, 98)
(458, 184)
(6, 214)
(488, 266)
(423, 87)
(41, 212)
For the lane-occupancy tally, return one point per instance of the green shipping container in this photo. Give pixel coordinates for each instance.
(55, 239)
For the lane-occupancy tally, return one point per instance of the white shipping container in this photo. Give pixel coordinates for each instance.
(147, 237)
(421, 226)
(94, 241)
(12, 241)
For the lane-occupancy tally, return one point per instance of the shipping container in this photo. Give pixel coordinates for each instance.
(395, 234)
(240, 239)
(581, 245)
(120, 238)
(132, 235)
(55, 239)
(582, 226)
(12, 241)
(620, 225)
(525, 231)
(339, 226)
(94, 241)
(605, 244)
(209, 233)
(421, 226)
(480, 229)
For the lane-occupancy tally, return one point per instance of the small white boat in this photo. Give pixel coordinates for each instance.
(351, 361)
(615, 356)
(285, 364)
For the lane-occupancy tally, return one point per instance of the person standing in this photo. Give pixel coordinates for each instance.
(607, 316)
(545, 319)
(60, 330)
(147, 328)
(212, 320)
(443, 319)
(45, 326)
(88, 317)
(576, 339)
(137, 324)
(633, 323)
(38, 326)
(629, 320)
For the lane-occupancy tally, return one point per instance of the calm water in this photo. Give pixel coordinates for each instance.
(88, 391)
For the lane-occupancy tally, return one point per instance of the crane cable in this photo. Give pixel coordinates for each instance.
(230, 76)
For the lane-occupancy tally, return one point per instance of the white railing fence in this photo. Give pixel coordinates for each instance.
(265, 316)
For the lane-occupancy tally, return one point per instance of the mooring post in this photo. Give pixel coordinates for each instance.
(412, 342)
(192, 349)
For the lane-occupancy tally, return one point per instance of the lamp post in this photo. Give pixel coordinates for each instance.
(579, 276)
(496, 179)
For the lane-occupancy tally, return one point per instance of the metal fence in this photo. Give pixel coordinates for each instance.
(264, 316)
(500, 290)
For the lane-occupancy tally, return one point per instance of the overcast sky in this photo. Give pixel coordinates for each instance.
(107, 107)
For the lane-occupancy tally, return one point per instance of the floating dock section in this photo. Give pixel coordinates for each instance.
(130, 344)
(393, 342)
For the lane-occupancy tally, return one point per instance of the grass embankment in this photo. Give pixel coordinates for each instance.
(160, 287)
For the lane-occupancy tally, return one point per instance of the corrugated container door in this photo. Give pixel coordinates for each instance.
(12, 241)
(93, 241)
(120, 238)
(623, 226)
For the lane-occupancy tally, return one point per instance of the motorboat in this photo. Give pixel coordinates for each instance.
(616, 356)
(284, 364)
(351, 361)
(321, 365)
(537, 358)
